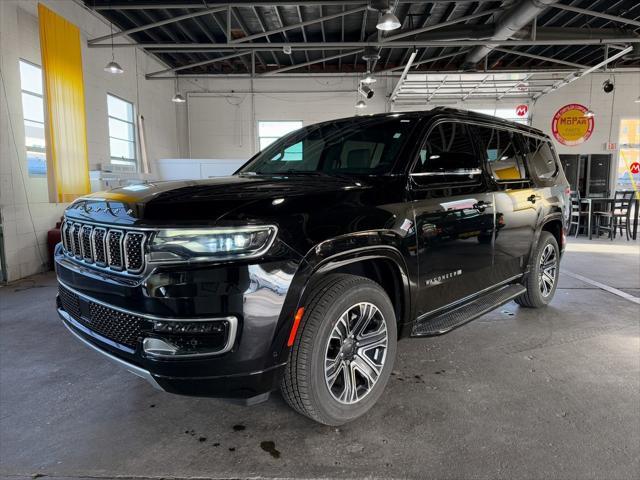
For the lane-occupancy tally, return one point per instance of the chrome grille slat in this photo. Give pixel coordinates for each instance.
(121, 250)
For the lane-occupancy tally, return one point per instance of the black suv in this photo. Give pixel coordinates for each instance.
(303, 269)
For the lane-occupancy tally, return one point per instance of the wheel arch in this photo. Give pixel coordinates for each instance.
(374, 255)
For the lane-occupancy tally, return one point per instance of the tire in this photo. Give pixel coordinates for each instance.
(537, 294)
(331, 304)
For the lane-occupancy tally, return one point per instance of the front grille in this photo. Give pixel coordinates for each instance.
(122, 250)
(123, 328)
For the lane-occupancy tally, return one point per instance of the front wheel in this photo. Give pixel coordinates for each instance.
(343, 352)
(541, 282)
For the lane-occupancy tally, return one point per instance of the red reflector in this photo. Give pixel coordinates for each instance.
(567, 191)
(294, 327)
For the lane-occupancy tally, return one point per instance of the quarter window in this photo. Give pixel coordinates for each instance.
(33, 114)
(503, 153)
(540, 158)
(122, 137)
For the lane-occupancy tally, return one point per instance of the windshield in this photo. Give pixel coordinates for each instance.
(354, 146)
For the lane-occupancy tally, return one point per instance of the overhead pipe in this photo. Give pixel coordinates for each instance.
(510, 22)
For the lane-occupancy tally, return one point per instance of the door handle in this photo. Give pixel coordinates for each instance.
(482, 205)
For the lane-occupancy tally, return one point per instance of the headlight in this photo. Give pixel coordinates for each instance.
(214, 243)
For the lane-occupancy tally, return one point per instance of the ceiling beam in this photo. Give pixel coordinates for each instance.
(197, 64)
(156, 24)
(539, 57)
(448, 23)
(306, 64)
(249, 3)
(379, 44)
(606, 16)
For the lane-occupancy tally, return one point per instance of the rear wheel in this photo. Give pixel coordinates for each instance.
(541, 282)
(344, 350)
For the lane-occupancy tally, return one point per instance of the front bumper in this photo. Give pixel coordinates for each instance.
(249, 366)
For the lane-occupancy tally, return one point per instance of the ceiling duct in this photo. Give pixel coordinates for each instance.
(516, 17)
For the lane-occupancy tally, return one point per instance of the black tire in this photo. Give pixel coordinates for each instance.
(304, 385)
(534, 296)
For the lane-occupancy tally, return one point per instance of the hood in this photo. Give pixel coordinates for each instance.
(205, 202)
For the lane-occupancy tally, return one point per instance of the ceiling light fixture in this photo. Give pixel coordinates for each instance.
(361, 104)
(286, 49)
(368, 79)
(589, 113)
(113, 66)
(388, 21)
(365, 91)
(178, 98)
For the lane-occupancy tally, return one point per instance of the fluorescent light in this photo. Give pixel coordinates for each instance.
(388, 22)
(113, 67)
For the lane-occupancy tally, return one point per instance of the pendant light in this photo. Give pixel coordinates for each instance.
(113, 66)
(388, 21)
(178, 98)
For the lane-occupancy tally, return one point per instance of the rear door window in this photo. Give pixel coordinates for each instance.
(540, 158)
(447, 155)
(504, 154)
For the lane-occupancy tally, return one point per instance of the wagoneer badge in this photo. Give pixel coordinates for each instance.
(441, 278)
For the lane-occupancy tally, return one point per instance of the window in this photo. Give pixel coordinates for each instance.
(33, 114)
(540, 157)
(628, 175)
(122, 137)
(269, 132)
(448, 151)
(351, 146)
(503, 154)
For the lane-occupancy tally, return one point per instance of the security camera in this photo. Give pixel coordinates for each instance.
(608, 86)
(365, 91)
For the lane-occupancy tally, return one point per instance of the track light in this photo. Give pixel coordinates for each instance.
(388, 21)
(589, 113)
(177, 98)
(361, 104)
(113, 67)
(365, 91)
(286, 49)
(608, 86)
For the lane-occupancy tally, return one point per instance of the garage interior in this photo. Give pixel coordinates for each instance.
(188, 89)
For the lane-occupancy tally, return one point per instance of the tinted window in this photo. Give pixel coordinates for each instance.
(502, 148)
(351, 146)
(540, 157)
(447, 150)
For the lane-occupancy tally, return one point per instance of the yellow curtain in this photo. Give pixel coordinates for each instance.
(64, 94)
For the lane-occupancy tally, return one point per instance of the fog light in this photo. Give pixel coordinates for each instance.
(190, 338)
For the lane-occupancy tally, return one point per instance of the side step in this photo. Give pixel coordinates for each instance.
(451, 319)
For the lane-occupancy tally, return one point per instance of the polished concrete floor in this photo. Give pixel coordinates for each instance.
(526, 394)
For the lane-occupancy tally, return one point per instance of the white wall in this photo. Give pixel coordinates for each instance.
(223, 125)
(609, 108)
(21, 202)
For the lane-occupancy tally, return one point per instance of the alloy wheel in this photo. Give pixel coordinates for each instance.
(356, 352)
(548, 270)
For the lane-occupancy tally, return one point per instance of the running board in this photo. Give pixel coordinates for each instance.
(451, 319)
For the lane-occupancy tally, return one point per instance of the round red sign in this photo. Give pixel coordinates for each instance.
(634, 168)
(521, 110)
(571, 126)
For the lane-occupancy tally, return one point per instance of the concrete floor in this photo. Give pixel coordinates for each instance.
(518, 393)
